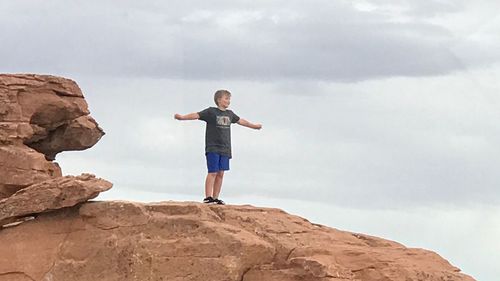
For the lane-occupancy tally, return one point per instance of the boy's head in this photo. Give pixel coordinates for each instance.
(222, 98)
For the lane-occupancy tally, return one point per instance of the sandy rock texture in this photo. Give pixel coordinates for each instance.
(40, 116)
(120, 241)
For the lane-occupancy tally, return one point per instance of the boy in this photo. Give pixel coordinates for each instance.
(217, 141)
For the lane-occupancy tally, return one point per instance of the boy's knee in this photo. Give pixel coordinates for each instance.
(220, 174)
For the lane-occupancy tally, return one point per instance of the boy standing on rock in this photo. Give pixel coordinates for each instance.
(217, 141)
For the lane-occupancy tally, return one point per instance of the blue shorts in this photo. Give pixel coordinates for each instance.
(217, 162)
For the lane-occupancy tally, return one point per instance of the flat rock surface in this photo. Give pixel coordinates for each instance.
(117, 240)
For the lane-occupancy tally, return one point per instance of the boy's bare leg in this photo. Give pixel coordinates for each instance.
(209, 184)
(218, 183)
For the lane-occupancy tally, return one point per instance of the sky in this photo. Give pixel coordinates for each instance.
(378, 117)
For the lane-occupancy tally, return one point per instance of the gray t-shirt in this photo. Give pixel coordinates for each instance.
(218, 131)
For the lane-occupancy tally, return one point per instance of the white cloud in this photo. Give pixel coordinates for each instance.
(198, 16)
(423, 141)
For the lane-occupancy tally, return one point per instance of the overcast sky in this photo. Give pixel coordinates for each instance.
(377, 117)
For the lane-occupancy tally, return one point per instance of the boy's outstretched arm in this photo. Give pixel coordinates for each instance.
(245, 123)
(190, 116)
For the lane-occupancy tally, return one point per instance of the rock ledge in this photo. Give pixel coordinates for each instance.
(117, 240)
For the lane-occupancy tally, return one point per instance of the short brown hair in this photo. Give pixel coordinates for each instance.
(219, 94)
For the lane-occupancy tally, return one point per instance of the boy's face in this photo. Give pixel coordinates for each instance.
(224, 101)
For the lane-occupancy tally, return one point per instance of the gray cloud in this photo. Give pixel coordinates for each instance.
(414, 8)
(284, 40)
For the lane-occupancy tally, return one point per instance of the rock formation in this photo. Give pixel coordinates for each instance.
(51, 195)
(120, 241)
(40, 116)
(48, 232)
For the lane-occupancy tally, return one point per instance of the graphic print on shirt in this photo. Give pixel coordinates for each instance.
(223, 121)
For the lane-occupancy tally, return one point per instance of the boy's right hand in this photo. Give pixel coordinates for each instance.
(178, 116)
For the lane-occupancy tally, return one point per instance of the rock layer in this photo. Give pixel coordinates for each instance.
(190, 241)
(40, 116)
(51, 195)
(21, 166)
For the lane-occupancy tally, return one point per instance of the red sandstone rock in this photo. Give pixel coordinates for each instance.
(44, 114)
(21, 166)
(120, 241)
(51, 195)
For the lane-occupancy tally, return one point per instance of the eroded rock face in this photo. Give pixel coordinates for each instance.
(21, 166)
(40, 116)
(51, 195)
(119, 241)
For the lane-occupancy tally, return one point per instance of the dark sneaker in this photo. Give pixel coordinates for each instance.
(209, 200)
(219, 202)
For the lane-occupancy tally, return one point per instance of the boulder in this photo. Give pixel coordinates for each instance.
(40, 116)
